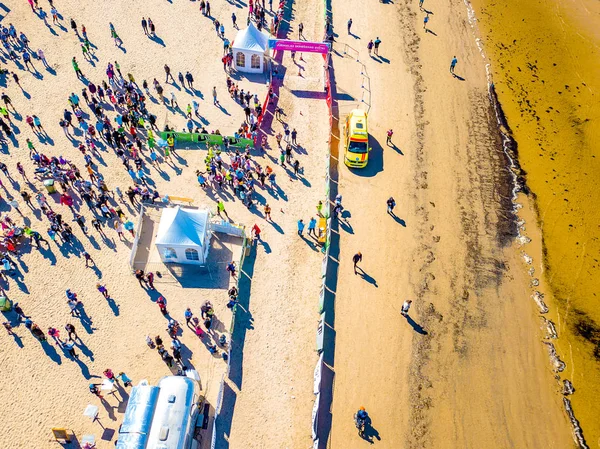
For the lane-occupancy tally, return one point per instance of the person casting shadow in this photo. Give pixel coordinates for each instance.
(370, 433)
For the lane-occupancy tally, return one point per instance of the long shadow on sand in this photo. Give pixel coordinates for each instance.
(242, 323)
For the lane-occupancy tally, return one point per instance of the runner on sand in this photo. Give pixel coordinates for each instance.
(391, 203)
(405, 307)
(453, 64)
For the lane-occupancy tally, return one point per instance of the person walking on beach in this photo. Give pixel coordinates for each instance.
(453, 65)
(27, 61)
(188, 316)
(300, 227)
(115, 36)
(267, 210)
(42, 57)
(119, 228)
(221, 208)
(74, 27)
(145, 26)
(214, 94)
(71, 331)
(168, 74)
(151, 27)
(97, 226)
(370, 46)
(349, 26)
(355, 260)
(312, 224)
(54, 13)
(102, 289)
(425, 20)
(139, 275)
(405, 307)
(420, 4)
(190, 80)
(55, 334)
(391, 203)
(231, 268)
(20, 167)
(390, 133)
(70, 347)
(376, 44)
(320, 208)
(76, 68)
(150, 280)
(88, 259)
(256, 232)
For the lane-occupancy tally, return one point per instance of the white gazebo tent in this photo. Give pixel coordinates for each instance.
(249, 49)
(183, 236)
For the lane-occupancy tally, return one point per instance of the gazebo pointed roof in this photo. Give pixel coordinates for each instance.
(251, 39)
(184, 227)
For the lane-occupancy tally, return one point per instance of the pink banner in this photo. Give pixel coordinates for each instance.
(301, 46)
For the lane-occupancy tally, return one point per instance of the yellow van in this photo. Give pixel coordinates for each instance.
(356, 139)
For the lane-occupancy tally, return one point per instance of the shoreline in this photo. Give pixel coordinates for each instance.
(521, 193)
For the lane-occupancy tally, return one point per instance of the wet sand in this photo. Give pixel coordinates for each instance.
(545, 64)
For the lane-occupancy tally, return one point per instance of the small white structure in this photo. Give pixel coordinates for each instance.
(183, 235)
(249, 49)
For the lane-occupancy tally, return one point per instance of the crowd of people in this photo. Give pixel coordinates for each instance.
(131, 133)
(112, 116)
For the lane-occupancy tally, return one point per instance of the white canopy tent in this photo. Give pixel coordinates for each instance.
(249, 49)
(183, 236)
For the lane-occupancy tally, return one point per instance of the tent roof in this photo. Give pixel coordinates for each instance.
(251, 39)
(183, 227)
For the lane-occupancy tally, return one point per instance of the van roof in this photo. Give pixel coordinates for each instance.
(172, 414)
(358, 124)
(160, 417)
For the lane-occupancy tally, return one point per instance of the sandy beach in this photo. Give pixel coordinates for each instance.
(469, 366)
(51, 390)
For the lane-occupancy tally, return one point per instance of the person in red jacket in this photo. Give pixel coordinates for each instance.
(66, 200)
(256, 232)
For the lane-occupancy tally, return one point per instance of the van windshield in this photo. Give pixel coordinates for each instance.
(357, 147)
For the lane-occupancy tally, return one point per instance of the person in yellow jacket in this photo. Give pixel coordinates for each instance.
(171, 143)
